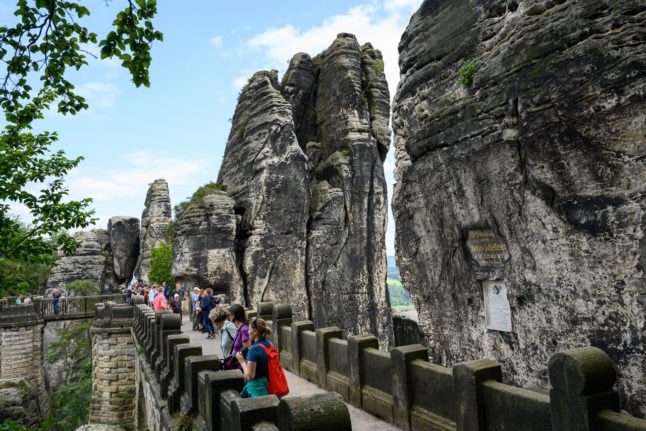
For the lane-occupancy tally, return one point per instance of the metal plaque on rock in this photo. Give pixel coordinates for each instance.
(486, 248)
(497, 309)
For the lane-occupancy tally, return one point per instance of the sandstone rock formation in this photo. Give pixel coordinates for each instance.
(124, 245)
(304, 165)
(545, 153)
(154, 222)
(204, 246)
(265, 172)
(88, 263)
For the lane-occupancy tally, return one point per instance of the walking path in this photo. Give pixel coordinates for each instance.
(361, 421)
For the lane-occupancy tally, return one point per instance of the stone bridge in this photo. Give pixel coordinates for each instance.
(148, 374)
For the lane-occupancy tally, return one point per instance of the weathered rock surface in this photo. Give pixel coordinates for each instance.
(265, 172)
(124, 244)
(154, 222)
(204, 246)
(304, 164)
(546, 150)
(88, 263)
(344, 130)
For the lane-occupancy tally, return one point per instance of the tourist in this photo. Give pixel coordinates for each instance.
(176, 305)
(28, 300)
(160, 302)
(226, 330)
(205, 308)
(195, 299)
(152, 294)
(254, 366)
(166, 290)
(56, 297)
(19, 300)
(238, 316)
(178, 291)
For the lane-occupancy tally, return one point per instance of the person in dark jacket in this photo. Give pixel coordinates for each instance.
(176, 305)
(205, 307)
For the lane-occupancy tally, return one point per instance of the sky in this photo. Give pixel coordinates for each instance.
(177, 128)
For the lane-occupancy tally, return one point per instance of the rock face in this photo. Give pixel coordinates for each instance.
(533, 178)
(91, 262)
(124, 244)
(265, 172)
(304, 165)
(154, 221)
(204, 246)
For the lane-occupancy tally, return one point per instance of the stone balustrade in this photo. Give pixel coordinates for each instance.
(176, 383)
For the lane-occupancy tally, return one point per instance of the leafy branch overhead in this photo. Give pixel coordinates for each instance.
(37, 52)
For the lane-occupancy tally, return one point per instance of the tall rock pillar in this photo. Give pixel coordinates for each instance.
(154, 221)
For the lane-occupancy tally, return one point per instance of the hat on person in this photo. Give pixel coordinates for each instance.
(196, 289)
(176, 295)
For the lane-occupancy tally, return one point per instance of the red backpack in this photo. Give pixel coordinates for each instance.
(277, 381)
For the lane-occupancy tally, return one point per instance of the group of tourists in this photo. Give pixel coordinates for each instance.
(243, 342)
(245, 347)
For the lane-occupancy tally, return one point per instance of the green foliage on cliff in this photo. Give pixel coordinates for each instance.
(399, 297)
(161, 262)
(467, 72)
(82, 288)
(199, 194)
(38, 48)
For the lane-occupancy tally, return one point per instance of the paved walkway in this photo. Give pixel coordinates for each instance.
(361, 421)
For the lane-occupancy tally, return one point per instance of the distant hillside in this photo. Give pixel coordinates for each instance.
(399, 299)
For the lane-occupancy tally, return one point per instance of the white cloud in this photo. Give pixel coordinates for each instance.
(216, 41)
(98, 94)
(139, 168)
(382, 27)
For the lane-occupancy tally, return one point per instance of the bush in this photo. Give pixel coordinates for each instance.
(82, 288)
(467, 72)
(161, 263)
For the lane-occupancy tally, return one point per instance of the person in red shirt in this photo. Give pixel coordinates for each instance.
(160, 303)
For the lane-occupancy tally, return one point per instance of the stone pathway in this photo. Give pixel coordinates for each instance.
(361, 421)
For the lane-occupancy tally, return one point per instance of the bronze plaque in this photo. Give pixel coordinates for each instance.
(486, 248)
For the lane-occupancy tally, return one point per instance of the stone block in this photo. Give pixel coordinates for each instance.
(192, 366)
(323, 336)
(211, 386)
(297, 329)
(320, 412)
(467, 380)
(356, 345)
(402, 381)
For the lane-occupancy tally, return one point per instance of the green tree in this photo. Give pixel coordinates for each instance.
(82, 288)
(37, 51)
(161, 262)
(72, 398)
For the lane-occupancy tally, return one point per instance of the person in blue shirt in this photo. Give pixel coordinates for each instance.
(254, 366)
(205, 308)
(56, 296)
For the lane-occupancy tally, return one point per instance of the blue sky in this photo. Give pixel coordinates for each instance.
(177, 129)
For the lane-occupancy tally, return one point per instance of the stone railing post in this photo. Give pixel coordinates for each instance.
(323, 336)
(169, 371)
(192, 366)
(156, 349)
(282, 316)
(402, 383)
(356, 345)
(265, 310)
(314, 412)
(467, 384)
(169, 324)
(214, 384)
(297, 329)
(582, 381)
(176, 387)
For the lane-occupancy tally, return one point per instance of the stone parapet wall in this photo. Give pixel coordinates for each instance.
(404, 388)
(178, 387)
